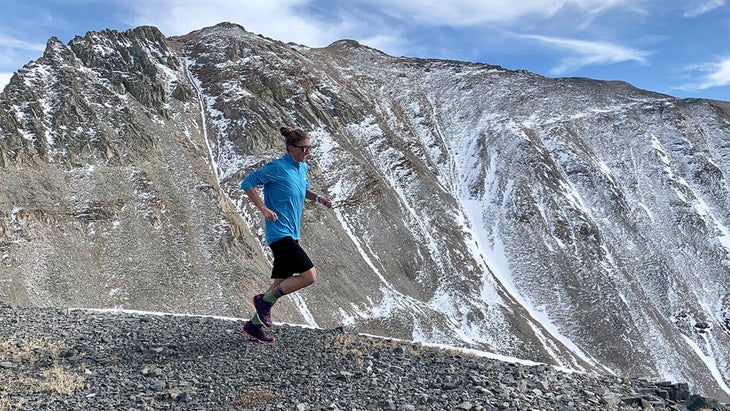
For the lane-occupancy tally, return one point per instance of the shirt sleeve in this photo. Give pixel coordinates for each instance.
(259, 177)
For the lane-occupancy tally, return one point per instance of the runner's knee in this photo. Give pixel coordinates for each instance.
(310, 276)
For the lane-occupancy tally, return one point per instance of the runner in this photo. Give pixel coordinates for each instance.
(285, 188)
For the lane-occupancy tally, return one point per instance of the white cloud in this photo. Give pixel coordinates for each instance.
(296, 20)
(4, 79)
(385, 42)
(590, 52)
(14, 53)
(280, 19)
(284, 20)
(698, 8)
(713, 74)
(473, 12)
(365, 21)
(10, 42)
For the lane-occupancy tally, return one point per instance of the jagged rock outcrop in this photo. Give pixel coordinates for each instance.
(569, 221)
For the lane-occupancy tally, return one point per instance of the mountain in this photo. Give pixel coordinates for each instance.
(568, 221)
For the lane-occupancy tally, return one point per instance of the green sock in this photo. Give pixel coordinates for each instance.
(255, 320)
(270, 297)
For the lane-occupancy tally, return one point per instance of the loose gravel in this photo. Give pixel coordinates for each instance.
(60, 359)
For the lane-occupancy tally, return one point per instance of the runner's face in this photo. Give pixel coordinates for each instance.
(299, 152)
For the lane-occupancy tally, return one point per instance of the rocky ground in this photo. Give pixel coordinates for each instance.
(63, 359)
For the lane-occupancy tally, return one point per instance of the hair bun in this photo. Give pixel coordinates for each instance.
(293, 135)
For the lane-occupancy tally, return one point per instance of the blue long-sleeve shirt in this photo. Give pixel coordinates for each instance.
(285, 187)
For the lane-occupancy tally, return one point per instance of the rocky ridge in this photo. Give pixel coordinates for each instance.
(61, 359)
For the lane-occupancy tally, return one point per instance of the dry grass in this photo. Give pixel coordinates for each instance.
(35, 366)
(60, 380)
(359, 345)
(255, 398)
(6, 404)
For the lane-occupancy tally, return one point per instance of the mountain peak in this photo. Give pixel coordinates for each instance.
(352, 46)
(346, 43)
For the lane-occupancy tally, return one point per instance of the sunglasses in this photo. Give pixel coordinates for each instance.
(303, 148)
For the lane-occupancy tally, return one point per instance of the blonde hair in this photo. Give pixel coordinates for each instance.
(293, 135)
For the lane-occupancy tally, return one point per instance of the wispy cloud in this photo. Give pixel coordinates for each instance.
(698, 8)
(281, 19)
(708, 75)
(302, 21)
(13, 53)
(381, 23)
(14, 43)
(459, 13)
(4, 79)
(584, 53)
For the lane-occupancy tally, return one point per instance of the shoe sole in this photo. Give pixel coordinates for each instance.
(253, 337)
(253, 301)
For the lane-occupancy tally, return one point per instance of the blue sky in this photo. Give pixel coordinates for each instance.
(677, 47)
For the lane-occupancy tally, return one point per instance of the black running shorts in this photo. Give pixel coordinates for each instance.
(289, 258)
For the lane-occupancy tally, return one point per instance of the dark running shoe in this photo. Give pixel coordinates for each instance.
(263, 310)
(257, 332)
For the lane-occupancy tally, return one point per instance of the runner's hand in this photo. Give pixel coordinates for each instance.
(325, 201)
(269, 215)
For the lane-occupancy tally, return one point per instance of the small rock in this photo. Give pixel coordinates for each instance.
(158, 385)
(152, 372)
(344, 376)
(182, 397)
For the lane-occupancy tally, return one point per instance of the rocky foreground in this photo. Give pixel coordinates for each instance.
(82, 360)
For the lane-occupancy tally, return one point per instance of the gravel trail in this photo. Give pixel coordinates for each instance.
(61, 359)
